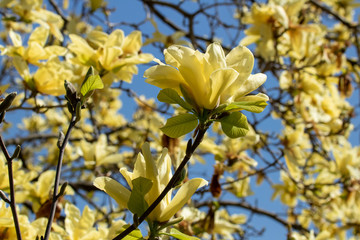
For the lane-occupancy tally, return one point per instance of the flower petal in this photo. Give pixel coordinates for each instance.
(39, 35)
(181, 197)
(252, 83)
(241, 59)
(215, 55)
(115, 39)
(220, 80)
(164, 76)
(151, 169)
(114, 189)
(132, 42)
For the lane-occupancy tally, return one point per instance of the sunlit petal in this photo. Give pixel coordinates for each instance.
(117, 191)
(181, 197)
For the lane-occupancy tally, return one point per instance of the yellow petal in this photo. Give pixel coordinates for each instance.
(220, 80)
(97, 38)
(252, 83)
(116, 38)
(249, 40)
(109, 56)
(22, 68)
(192, 66)
(164, 76)
(181, 197)
(164, 171)
(35, 52)
(15, 38)
(117, 191)
(39, 35)
(215, 55)
(132, 42)
(241, 59)
(151, 169)
(129, 176)
(55, 51)
(81, 48)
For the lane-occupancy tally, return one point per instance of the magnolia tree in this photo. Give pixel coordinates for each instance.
(184, 160)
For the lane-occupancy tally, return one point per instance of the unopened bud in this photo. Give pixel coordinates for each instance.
(7, 102)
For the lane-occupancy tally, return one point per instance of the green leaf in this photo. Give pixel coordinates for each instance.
(182, 236)
(169, 95)
(256, 107)
(90, 84)
(234, 125)
(180, 125)
(134, 235)
(137, 204)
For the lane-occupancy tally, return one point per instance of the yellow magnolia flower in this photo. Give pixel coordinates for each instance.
(33, 10)
(159, 172)
(99, 152)
(79, 226)
(113, 55)
(209, 79)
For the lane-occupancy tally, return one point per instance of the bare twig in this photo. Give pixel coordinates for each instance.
(12, 189)
(57, 176)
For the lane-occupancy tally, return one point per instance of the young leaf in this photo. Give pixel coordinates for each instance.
(137, 204)
(170, 96)
(134, 235)
(256, 107)
(182, 236)
(91, 83)
(234, 125)
(180, 125)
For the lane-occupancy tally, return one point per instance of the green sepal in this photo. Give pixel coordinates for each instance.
(137, 204)
(169, 95)
(256, 107)
(180, 125)
(234, 125)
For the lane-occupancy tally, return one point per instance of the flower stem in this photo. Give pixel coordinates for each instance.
(12, 189)
(57, 177)
(189, 151)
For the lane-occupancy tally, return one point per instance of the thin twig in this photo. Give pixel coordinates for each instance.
(57, 177)
(12, 189)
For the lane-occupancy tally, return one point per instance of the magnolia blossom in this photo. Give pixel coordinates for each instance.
(159, 172)
(116, 53)
(209, 78)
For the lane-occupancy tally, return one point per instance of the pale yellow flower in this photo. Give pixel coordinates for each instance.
(209, 79)
(159, 172)
(114, 55)
(79, 226)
